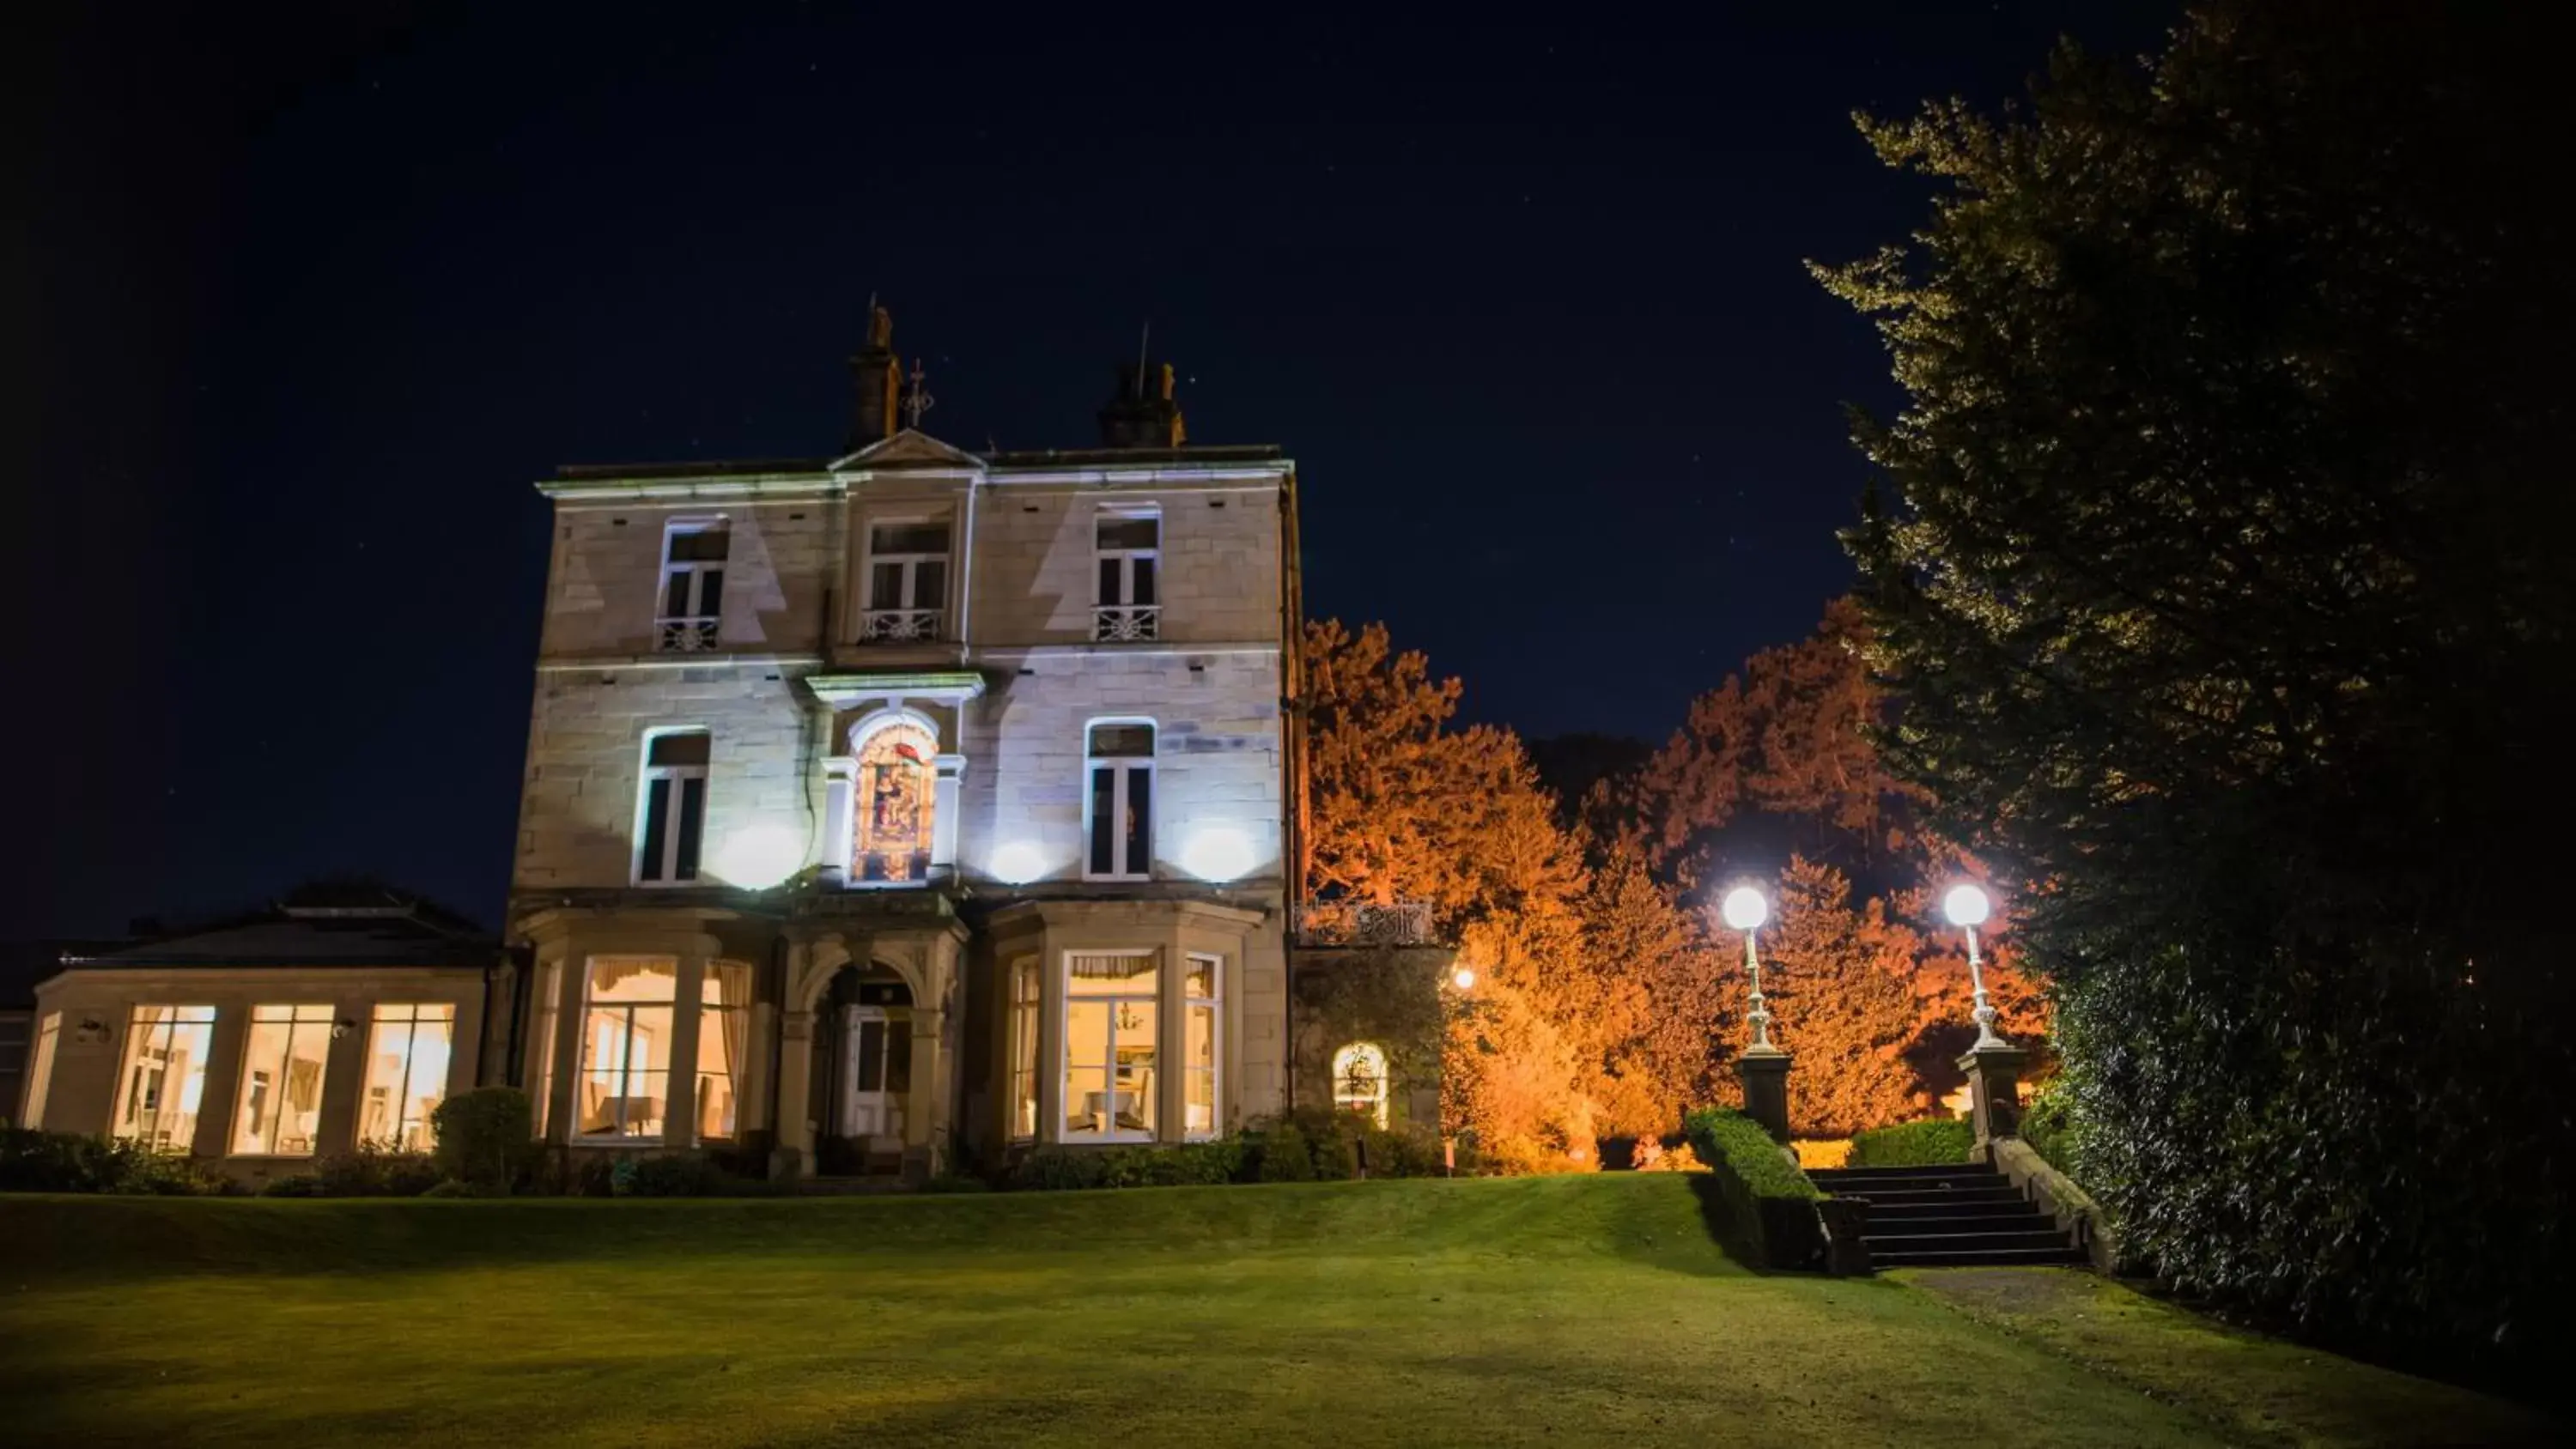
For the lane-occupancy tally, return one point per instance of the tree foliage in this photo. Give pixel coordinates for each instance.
(2221, 591)
(1837, 979)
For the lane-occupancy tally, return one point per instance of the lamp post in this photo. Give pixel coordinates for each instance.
(1746, 910)
(1967, 907)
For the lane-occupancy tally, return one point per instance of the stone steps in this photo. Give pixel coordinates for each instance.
(1960, 1216)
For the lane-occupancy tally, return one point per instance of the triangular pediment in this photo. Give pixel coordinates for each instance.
(908, 448)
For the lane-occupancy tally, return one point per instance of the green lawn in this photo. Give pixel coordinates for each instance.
(1557, 1311)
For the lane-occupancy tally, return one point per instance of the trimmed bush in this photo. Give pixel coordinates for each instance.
(486, 1137)
(373, 1172)
(1932, 1142)
(38, 1161)
(1285, 1157)
(1764, 1205)
(1062, 1169)
(672, 1175)
(293, 1184)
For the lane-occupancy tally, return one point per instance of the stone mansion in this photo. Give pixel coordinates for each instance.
(880, 812)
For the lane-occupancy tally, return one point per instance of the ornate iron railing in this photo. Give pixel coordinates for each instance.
(900, 625)
(687, 636)
(1119, 623)
(1356, 923)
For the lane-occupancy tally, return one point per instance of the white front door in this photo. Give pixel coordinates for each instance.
(878, 1061)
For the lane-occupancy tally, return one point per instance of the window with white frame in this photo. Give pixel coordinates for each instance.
(1359, 1081)
(907, 581)
(1200, 1024)
(1112, 1013)
(164, 1078)
(671, 811)
(628, 1005)
(40, 1068)
(1118, 805)
(693, 570)
(408, 1047)
(1129, 550)
(724, 1041)
(283, 1060)
(1024, 1049)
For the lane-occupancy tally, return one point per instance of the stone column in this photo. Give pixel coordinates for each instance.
(680, 1088)
(1994, 1092)
(1764, 1071)
(794, 1154)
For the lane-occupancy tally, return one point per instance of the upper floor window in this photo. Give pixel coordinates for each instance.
(907, 581)
(1119, 805)
(671, 816)
(1130, 550)
(693, 569)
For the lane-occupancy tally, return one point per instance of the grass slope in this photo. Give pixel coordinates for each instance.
(1530, 1311)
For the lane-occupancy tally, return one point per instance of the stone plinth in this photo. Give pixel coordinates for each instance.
(1764, 1071)
(1994, 1092)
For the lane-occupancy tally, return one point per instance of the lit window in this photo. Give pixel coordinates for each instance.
(1111, 1010)
(1128, 551)
(671, 818)
(627, 1006)
(281, 1091)
(164, 1080)
(407, 1053)
(693, 570)
(546, 1001)
(1024, 1049)
(1198, 1046)
(40, 1068)
(1359, 1081)
(1119, 806)
(907, 581)
(896, 804)
(724, 1024)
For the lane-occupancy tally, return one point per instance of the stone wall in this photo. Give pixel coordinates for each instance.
(604, 587)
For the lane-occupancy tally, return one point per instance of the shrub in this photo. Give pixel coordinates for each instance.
(1403, 1151)
(1061, 1169)
(293, 1184)
(486, 1137)
(947, 1182)
(1337, 1155)
(681, 1174)
(1285, 1157)
(1932, 1142)
(458, 1187)
(2053, 1131)
(371, 1171)
(38, 1161)
(1765, 1205)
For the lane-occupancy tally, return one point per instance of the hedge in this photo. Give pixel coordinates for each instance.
(1932, 1142)
(37, 1161)
(1765, 1205)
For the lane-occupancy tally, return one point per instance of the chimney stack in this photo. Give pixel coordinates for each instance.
(880, 383)
(1143, 414)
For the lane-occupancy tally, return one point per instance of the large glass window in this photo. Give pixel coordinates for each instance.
(907, 580)
(40, 1067)
(1024, 1049)
(1198, 1046)
(407, 1052)
(724, 1025)
(1129, 550)
(897, 800)
(164, 1080)
(693, 564)
(545, 1001)
(283, 1061)
(671, 818)
(1111, 1015)
(1119, 805)
(1359, 1081)
(627, 1006)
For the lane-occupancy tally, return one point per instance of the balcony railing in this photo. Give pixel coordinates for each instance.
(1356, 923)
(686, 636)
(896, 626)
(1120, 623)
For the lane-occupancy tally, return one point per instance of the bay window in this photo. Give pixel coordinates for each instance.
(724, 1025)
(1200, 1025)
(163, 1081)
(1024, 1049)
(626, 1032)
(1119, 803)
(407, 1055)
(280, 1111)
(1112, 1013)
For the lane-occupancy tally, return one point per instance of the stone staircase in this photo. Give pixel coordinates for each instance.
(1965, 1215)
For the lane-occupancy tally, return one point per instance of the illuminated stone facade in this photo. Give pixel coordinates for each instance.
(942, 728)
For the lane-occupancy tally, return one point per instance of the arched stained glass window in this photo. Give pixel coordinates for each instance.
(895, 804)
(1359, 1081)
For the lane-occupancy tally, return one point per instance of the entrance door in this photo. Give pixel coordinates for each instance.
(879, 1071)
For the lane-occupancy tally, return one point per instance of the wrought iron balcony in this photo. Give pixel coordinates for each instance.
(1359, 923)
(686, 636)
(897, 626)
(1120, 623)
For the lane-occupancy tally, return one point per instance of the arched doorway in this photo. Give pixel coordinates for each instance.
(862, 1083)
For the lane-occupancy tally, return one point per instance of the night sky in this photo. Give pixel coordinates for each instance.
(305, 308)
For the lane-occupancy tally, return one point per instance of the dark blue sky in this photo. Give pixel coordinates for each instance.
(306, 306)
